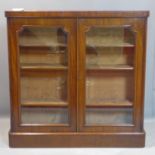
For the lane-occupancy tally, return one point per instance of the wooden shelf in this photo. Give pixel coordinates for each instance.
(56, 104)
(106, 45)
(62, 104)
(42, 67)
(109, 104)
(40, 45)
(110, 67)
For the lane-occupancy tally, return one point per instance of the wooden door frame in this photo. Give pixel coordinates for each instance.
(15, 25)
(138, 25)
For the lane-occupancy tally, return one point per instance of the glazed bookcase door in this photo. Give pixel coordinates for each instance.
(47, 56)
(108, 75)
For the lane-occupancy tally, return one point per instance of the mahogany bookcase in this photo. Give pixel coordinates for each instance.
(77, 78)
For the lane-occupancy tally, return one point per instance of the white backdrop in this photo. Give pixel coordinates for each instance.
(79, 5)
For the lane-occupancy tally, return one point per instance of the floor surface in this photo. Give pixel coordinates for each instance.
(148, 150)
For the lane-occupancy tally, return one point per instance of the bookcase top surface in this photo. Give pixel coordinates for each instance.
(108, 14)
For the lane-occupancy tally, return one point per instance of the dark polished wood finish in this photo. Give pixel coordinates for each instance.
(77, 139)
(62, 14)
(76, 133)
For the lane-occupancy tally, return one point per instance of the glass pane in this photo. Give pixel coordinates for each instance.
(44, 75)
(44, 115)
(109, 86)
(109, 75)
(44, 46)
(108, 116)
(43, 89)
(110, 46)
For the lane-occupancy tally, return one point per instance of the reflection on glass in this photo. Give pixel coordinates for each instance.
(43, 61)
(110, 75)
(40, 45)
(110, 46)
